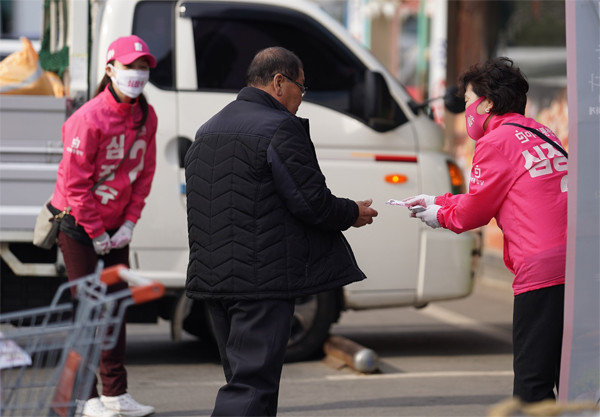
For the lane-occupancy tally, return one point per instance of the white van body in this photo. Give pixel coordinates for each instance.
(364, 125)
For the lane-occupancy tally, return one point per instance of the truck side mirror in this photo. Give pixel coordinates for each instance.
(378, 105)
(452, 102)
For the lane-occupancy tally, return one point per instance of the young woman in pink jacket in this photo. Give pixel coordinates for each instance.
(518, 177)
(104, 177)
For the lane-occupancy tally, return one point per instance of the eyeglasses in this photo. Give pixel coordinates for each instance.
(300, 86)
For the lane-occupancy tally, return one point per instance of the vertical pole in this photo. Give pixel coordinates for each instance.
(393, 41)
(357, 22)
(423, 40)
(580, 367)
(437, 64)
(78, 16)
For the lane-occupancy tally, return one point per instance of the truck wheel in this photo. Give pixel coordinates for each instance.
(312, 320)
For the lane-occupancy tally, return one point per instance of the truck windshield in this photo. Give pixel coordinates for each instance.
(227, 35)
(153, 22)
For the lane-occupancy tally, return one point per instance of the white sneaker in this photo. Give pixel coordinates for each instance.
(94, 408)
(125, 406)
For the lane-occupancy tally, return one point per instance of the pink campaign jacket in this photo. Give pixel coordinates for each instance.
(95, 139)
(521, 181)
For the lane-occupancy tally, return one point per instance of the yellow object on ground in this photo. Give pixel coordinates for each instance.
(21, 73)
(513, 408)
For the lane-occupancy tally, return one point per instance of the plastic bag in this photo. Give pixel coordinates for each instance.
(21, 73)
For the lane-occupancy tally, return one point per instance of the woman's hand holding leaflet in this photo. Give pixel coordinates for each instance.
(424, 200)
(429, 216)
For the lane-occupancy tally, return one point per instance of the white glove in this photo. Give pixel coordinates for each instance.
(102, 244)
(429, 216)
(123, 236)
(420, 200)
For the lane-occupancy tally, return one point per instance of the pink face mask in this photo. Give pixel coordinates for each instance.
(475, 120)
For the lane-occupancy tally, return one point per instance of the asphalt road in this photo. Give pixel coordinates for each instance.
(452, 358)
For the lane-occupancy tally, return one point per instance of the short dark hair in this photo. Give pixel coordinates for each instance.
(270, 61)
(499, 80)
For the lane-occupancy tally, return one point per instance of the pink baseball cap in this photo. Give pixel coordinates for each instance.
(129, 48)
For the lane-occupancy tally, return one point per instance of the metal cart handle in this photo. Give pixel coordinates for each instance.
(142, 290)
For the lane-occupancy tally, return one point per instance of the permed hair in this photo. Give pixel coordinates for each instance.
(271, 61)
(500, 81)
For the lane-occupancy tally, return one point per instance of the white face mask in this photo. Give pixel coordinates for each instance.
(130, 82)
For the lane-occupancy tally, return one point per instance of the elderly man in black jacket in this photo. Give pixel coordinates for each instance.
(263, 229)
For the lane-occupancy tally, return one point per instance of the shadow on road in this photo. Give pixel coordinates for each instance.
(427, 341)
(161, 350)
(386, 341)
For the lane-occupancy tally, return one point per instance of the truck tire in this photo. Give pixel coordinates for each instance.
(313, 317)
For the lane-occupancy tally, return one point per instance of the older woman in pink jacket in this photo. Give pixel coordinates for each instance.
(109, 159)
(519, 177)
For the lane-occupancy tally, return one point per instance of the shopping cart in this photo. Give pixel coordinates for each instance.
(49, 356)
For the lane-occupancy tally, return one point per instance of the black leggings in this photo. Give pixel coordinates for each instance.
(537, 342)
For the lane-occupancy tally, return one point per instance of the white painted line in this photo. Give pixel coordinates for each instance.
(354, 376)
(410, 375)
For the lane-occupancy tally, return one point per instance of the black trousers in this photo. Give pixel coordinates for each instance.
(252, 337)
(537, 342)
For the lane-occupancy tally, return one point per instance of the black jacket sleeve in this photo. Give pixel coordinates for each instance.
(300, 182)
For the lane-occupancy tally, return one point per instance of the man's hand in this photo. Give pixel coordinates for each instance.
(365, 213)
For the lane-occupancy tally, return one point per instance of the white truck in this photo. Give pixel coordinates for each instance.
(371, 138)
